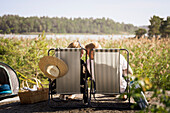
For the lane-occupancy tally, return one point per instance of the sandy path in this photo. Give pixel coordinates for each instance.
(103, 104)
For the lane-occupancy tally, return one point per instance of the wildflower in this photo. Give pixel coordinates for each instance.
(145, 52)
(23, 45)
(161, 72)
(133, 65)
(164, 71)
(132, 53)
(139, 46)
(36, 39)
(2, 43)
(28, 44)
(144, 57)
(157, 63)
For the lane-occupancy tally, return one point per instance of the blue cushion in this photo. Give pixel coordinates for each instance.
(5, 92)
(5, 87)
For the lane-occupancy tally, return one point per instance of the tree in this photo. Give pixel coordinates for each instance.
(165, 28)
(140, 32)
(17, 24)
(155, 26)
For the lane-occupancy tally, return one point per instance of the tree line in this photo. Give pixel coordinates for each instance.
(159, 27)
(17, 24)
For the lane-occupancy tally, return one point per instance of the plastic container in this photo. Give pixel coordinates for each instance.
(138, 95)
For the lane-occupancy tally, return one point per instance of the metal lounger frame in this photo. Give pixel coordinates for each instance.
(63, 89)
(109, 50)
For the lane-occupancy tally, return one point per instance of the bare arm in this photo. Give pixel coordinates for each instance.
(129, 72)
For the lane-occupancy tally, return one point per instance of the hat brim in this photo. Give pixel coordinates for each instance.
(50, 60)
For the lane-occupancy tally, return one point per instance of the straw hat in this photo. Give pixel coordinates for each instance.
(53, 67)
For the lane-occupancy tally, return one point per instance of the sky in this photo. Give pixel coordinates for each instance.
(136, 12)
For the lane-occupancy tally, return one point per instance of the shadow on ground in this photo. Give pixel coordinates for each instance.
(69, 106)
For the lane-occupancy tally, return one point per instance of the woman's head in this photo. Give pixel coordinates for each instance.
(92, 46)
(76, 44)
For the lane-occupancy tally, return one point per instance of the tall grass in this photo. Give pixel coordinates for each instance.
(149, 59)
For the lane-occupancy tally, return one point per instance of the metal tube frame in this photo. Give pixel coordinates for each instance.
(50, 81)
(128, 88)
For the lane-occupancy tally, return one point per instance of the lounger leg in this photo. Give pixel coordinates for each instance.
(49, 92)
(94, 97)
(93, 89)
(86, 95)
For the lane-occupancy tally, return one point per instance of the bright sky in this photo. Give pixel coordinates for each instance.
(136, 12)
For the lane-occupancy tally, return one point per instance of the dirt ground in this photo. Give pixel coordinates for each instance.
(103, 103)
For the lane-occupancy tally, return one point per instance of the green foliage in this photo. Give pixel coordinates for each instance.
(16, 24)
(24, 54)
(149, 59)
(140, 32)
(159, 27)
(155, 26)
(165, 28)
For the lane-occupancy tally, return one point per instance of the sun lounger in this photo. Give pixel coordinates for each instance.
(107, 70)
(69, 83)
